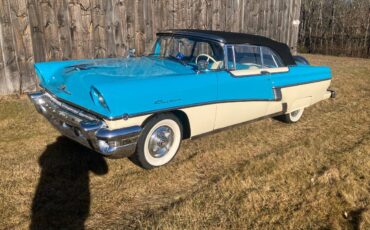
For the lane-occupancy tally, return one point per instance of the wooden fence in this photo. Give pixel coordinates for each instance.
(43, 30)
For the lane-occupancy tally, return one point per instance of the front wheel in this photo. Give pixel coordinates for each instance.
(159, 142)
(292, 117)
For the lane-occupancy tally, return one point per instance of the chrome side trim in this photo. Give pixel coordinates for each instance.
(88, 126)
(105, 134)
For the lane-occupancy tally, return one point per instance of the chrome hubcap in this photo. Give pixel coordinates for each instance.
(161, 141)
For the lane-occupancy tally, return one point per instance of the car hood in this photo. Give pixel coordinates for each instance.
(73, 81)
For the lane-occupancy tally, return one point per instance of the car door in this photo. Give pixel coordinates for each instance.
(196, 93)
(199, 90)
(245, 90)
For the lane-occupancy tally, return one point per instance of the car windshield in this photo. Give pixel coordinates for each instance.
(188, 50)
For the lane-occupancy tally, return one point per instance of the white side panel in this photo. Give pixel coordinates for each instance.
(206, 118)
(274, 107)
(327, 95)
(301, 96)
(300, 103)
(237, 112)
(117, 124)
(201, 118)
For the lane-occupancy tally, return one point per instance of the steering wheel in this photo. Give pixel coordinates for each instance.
(207, 56)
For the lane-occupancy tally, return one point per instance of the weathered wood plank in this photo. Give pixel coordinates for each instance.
(235, 27)
(165, 12)
(202, 13)
(229, 19)
(215, 15)
(139, 27)
(189, 14)
(86, 28)
(11, 79)
(109, 29)
(120, 29)
(284, 15)
(38, 39)
(275, 19)
(63, 22)
(5, 82)
(50, 31)
(98, 25)
(208, 5)
(76, 30)
(23, 45)
(157, 25)
(253, 23)
(130, 22)
(149, 26)
(4, 85)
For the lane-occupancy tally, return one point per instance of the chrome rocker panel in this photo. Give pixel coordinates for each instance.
(85, 128)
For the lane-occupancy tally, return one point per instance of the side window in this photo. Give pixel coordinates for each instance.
(247, 57)
(271, 59)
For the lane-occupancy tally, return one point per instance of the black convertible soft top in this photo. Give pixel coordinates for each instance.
(237, 38)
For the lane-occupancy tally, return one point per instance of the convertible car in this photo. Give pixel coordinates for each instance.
(193, 82)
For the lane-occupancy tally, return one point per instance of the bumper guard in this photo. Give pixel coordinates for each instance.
(85, 128)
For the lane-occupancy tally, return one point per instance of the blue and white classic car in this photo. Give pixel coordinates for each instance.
(194, 82)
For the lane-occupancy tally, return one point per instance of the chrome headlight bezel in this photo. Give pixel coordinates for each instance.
(98, 98)
(102, 101)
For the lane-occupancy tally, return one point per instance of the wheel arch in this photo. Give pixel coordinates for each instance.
(183, 118)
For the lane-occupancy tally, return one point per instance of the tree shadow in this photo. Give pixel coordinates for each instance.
(62, 197)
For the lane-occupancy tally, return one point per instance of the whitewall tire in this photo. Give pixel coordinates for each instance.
(292, 117)
(295, 116)
(159, 141)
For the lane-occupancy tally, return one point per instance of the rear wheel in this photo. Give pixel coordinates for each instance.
(159, 142)
(292, 117)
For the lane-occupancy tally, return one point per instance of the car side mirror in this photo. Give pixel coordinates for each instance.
(202, 65)
(131, 53)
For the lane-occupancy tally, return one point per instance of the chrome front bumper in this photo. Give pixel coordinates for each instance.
(85, 128)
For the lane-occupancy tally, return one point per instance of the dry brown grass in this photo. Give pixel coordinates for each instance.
(313, 174)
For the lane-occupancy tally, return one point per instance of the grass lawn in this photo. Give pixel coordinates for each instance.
(268, 174)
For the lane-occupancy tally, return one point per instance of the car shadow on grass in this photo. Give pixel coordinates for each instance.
(62, 197)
